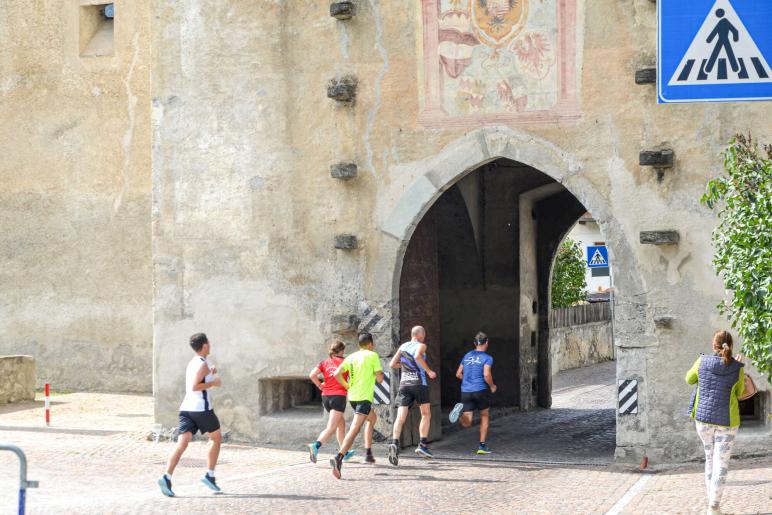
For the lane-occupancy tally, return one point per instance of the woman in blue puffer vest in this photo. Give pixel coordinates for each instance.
(720, 381)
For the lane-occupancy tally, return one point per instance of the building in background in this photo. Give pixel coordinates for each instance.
(276, 176)
(587, 233)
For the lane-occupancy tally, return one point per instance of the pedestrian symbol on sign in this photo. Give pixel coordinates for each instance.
(722, 52)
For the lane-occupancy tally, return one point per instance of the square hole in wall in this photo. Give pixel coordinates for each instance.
(753, 410)
(96, 29)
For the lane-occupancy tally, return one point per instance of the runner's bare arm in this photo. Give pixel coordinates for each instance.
(314, 377)
(419, 357)
(339, 377)
(200, 375)
(379, 376)
(488, 375)
(460, 372)
(395, 360)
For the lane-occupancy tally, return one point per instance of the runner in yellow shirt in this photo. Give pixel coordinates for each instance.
(364, 369)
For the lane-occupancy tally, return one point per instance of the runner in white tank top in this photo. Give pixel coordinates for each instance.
(196, 414)
(196, 400)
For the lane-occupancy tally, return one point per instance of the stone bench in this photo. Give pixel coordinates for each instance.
(17, 379)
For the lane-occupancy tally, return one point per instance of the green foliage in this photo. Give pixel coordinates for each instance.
(742, 243)
(568, 275)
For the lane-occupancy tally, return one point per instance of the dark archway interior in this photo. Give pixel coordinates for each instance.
(462, 273)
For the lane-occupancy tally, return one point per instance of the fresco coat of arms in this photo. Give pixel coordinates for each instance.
(496, 22)
(494, 61)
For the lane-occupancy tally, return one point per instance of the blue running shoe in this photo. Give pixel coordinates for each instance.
(455, 413)
(166, 486)
(350, 454)
(483, 449)
(423, 452)
(313, 450)
(209, 481)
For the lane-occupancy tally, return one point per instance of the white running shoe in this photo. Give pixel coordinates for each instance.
(455, 413)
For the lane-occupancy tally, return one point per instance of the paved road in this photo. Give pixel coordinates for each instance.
(95, 459)
(580, 427)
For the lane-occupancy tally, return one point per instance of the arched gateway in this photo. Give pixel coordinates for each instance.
(546, 185)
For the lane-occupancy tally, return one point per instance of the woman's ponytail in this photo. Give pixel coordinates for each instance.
(337, 347)
(722, 345)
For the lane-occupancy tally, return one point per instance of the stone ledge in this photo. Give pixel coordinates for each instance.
(342, 10)
(646, 76)
(658, 158)
(18, 379)
(343, 171)
(669, 237)
(346, 242)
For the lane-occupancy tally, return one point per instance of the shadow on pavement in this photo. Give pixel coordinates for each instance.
(85, 432)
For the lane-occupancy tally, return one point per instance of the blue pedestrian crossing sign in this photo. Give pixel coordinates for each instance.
(597, 256)
(714, 50)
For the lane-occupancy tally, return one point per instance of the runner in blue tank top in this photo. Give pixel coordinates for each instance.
(411, 359)
(476, 382)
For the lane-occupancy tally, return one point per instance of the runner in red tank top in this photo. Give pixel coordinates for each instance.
(333, 399)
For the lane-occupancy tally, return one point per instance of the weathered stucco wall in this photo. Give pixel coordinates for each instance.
(17, 379)
(580, 345)
(245, 211)
(75, 261)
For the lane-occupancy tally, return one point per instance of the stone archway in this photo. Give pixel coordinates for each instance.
(416, 186)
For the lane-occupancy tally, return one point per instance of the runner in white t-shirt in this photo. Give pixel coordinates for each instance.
(196, 414)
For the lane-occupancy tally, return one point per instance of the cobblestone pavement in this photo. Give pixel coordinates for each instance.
(95, 459)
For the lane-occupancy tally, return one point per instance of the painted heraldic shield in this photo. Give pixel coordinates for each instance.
(497, 22)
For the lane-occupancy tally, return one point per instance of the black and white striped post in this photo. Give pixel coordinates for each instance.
(628, 396)
(383, 390)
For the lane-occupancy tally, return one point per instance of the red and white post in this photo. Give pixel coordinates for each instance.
(48, 404)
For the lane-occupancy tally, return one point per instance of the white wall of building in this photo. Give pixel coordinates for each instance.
(588, 234)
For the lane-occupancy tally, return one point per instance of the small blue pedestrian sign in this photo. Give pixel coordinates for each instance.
(597, 256)
(714, 50)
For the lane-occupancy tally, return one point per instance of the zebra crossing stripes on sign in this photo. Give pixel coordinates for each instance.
(383, 390)
(628, 396)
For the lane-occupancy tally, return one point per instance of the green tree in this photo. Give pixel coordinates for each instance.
(742, 244)
(568, 275)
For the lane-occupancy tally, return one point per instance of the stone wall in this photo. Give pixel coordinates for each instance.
(18, 379)
(75, 260)
(580, 345)
(245, 211)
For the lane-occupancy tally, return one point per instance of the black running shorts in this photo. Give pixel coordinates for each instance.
(475, 401)
(193, 421)
(334, 402)
(409, 394)
(362, 407)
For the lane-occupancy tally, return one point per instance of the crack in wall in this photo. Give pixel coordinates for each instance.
(128, 136)
(381, 74)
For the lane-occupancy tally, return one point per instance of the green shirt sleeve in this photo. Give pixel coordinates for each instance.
(739, 387)
(691, 375)
(734, 404)
(346, 364)
(376, 363)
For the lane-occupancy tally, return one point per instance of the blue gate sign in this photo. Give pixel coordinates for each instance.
(714, 50)
(597, 256)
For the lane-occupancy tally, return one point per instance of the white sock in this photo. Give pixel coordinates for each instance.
(168, 477)
(210, 473)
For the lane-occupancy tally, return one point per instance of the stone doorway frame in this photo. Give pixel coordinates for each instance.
(416, 186)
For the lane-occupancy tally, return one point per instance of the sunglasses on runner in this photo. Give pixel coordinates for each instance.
(481, 342)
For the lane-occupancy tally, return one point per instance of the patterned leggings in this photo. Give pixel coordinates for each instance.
(718, 442)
